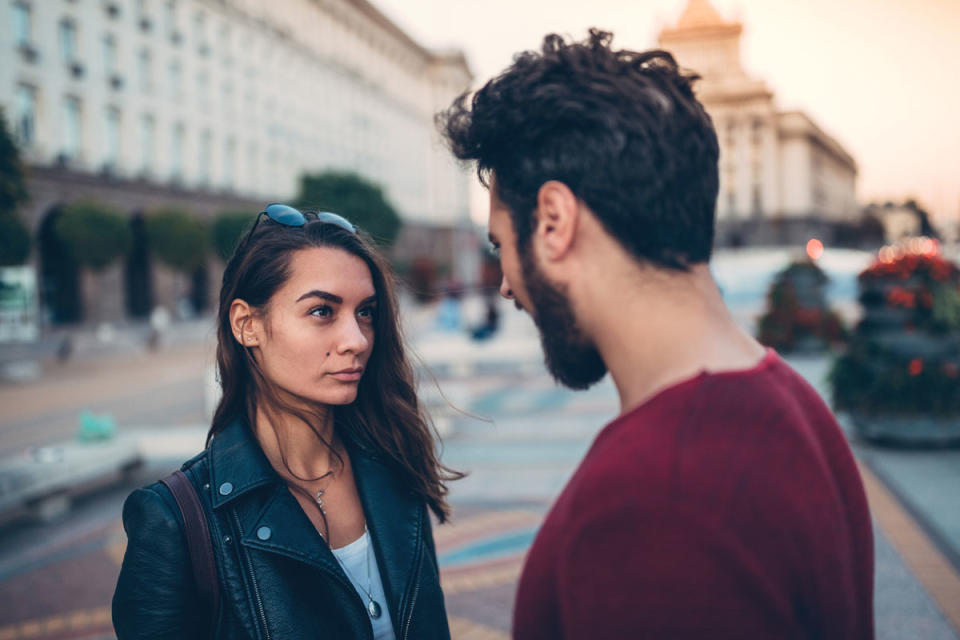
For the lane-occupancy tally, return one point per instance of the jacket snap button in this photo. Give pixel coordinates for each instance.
(264, 533)
(226, 488)
(227, 539)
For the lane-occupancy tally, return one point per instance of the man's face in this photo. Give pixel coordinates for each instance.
(571, 356)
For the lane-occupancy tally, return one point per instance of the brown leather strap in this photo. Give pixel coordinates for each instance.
(198, 541)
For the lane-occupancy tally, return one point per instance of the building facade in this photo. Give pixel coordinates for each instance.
(782, 178)
(224, 103)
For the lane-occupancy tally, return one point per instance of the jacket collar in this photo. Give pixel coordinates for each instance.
(237, 464)
(394, 514)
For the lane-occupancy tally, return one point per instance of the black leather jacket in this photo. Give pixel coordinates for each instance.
(288, 586)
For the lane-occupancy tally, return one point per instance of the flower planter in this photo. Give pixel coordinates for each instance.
(929, 346)
(906, 429)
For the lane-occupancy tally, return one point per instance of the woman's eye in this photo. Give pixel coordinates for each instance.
(322, 312)
(366, 313)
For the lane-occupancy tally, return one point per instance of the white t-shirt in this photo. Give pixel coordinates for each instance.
(358, 561)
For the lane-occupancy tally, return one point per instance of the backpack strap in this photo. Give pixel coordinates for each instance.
(198, 541)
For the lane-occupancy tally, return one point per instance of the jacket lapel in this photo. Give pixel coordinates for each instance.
(395, 520)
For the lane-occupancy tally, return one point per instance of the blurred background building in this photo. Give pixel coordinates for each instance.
(211, 105)
(782, 178)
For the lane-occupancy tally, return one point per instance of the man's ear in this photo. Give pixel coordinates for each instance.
(558, 214)
(244, 323)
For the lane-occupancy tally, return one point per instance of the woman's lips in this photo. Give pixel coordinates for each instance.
(348, 375)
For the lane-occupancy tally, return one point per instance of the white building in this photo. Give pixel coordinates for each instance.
(238, 95)
(144, 103)
(774, 166)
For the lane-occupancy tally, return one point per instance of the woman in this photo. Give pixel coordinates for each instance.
(319, 468)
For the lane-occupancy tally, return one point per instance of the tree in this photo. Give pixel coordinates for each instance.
(94, 234)
(14, 234)
(14, 240)
(227, 230)
(177, 238)
(354, 197)
(13, 188)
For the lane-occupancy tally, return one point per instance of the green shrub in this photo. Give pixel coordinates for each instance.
(226, 231)
(177, 238)
(94, 234)
(354, 197)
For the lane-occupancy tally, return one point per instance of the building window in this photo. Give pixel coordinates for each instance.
(22, 24)
(204, 160)
(144, 69)
(170, 16)
(71, 127)
(226, 44)
(229, 162)
(109, 54)
(143, 14)
(175, 78)
(147, 136)
(25, 125)
(756, 200)
(203, 88)
(757, 132)
(228, 97)
(68, 41)
(200, 33)
(176, 151)
(111, 138)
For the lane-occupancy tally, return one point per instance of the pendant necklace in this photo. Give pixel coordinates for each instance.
(373, 607)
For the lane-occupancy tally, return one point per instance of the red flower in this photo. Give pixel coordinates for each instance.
(950, 369)
(916, 366)
(900, 297)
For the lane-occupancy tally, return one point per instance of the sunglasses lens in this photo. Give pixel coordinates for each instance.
(337, 219)
(285, 215)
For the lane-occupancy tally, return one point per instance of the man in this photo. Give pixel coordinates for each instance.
(723, 502)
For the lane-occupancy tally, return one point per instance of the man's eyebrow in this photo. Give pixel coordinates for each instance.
(316, 293)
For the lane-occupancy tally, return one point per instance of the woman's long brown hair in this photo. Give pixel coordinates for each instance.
(386, 418)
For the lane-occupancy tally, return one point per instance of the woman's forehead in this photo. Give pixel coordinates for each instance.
(331, 270)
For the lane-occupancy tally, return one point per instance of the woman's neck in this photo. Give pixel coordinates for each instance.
(293, 447)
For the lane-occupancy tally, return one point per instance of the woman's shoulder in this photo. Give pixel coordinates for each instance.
(155, 505)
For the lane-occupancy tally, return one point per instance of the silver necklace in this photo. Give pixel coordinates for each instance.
(373, 607)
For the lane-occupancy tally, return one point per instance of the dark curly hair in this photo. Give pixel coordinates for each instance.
(622, 129)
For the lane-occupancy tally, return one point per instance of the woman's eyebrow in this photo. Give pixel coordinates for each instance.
(316, 293)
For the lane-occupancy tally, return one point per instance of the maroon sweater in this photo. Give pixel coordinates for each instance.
(727, 506)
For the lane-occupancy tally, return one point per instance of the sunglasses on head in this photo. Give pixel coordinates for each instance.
(290, 217)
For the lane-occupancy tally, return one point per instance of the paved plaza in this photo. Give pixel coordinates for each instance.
(511, 428)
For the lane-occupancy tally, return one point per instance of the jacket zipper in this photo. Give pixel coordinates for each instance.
(413, 602)
(253, 580)
(416, 587)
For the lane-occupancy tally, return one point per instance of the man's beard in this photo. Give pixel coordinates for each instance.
(572, 359)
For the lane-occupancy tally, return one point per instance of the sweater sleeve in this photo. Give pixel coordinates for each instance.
(155, 595)
(663, 571)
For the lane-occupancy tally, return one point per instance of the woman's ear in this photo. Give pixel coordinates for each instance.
(244, 323)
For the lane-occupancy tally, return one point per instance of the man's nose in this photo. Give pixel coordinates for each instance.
(505, 289)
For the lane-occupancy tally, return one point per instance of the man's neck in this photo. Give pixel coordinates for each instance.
(655, 329)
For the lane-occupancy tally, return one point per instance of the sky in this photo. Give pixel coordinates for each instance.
(880, 76)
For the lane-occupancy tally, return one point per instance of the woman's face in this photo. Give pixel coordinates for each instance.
(317, 333)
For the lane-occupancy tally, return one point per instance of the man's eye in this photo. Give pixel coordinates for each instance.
(322, 312)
